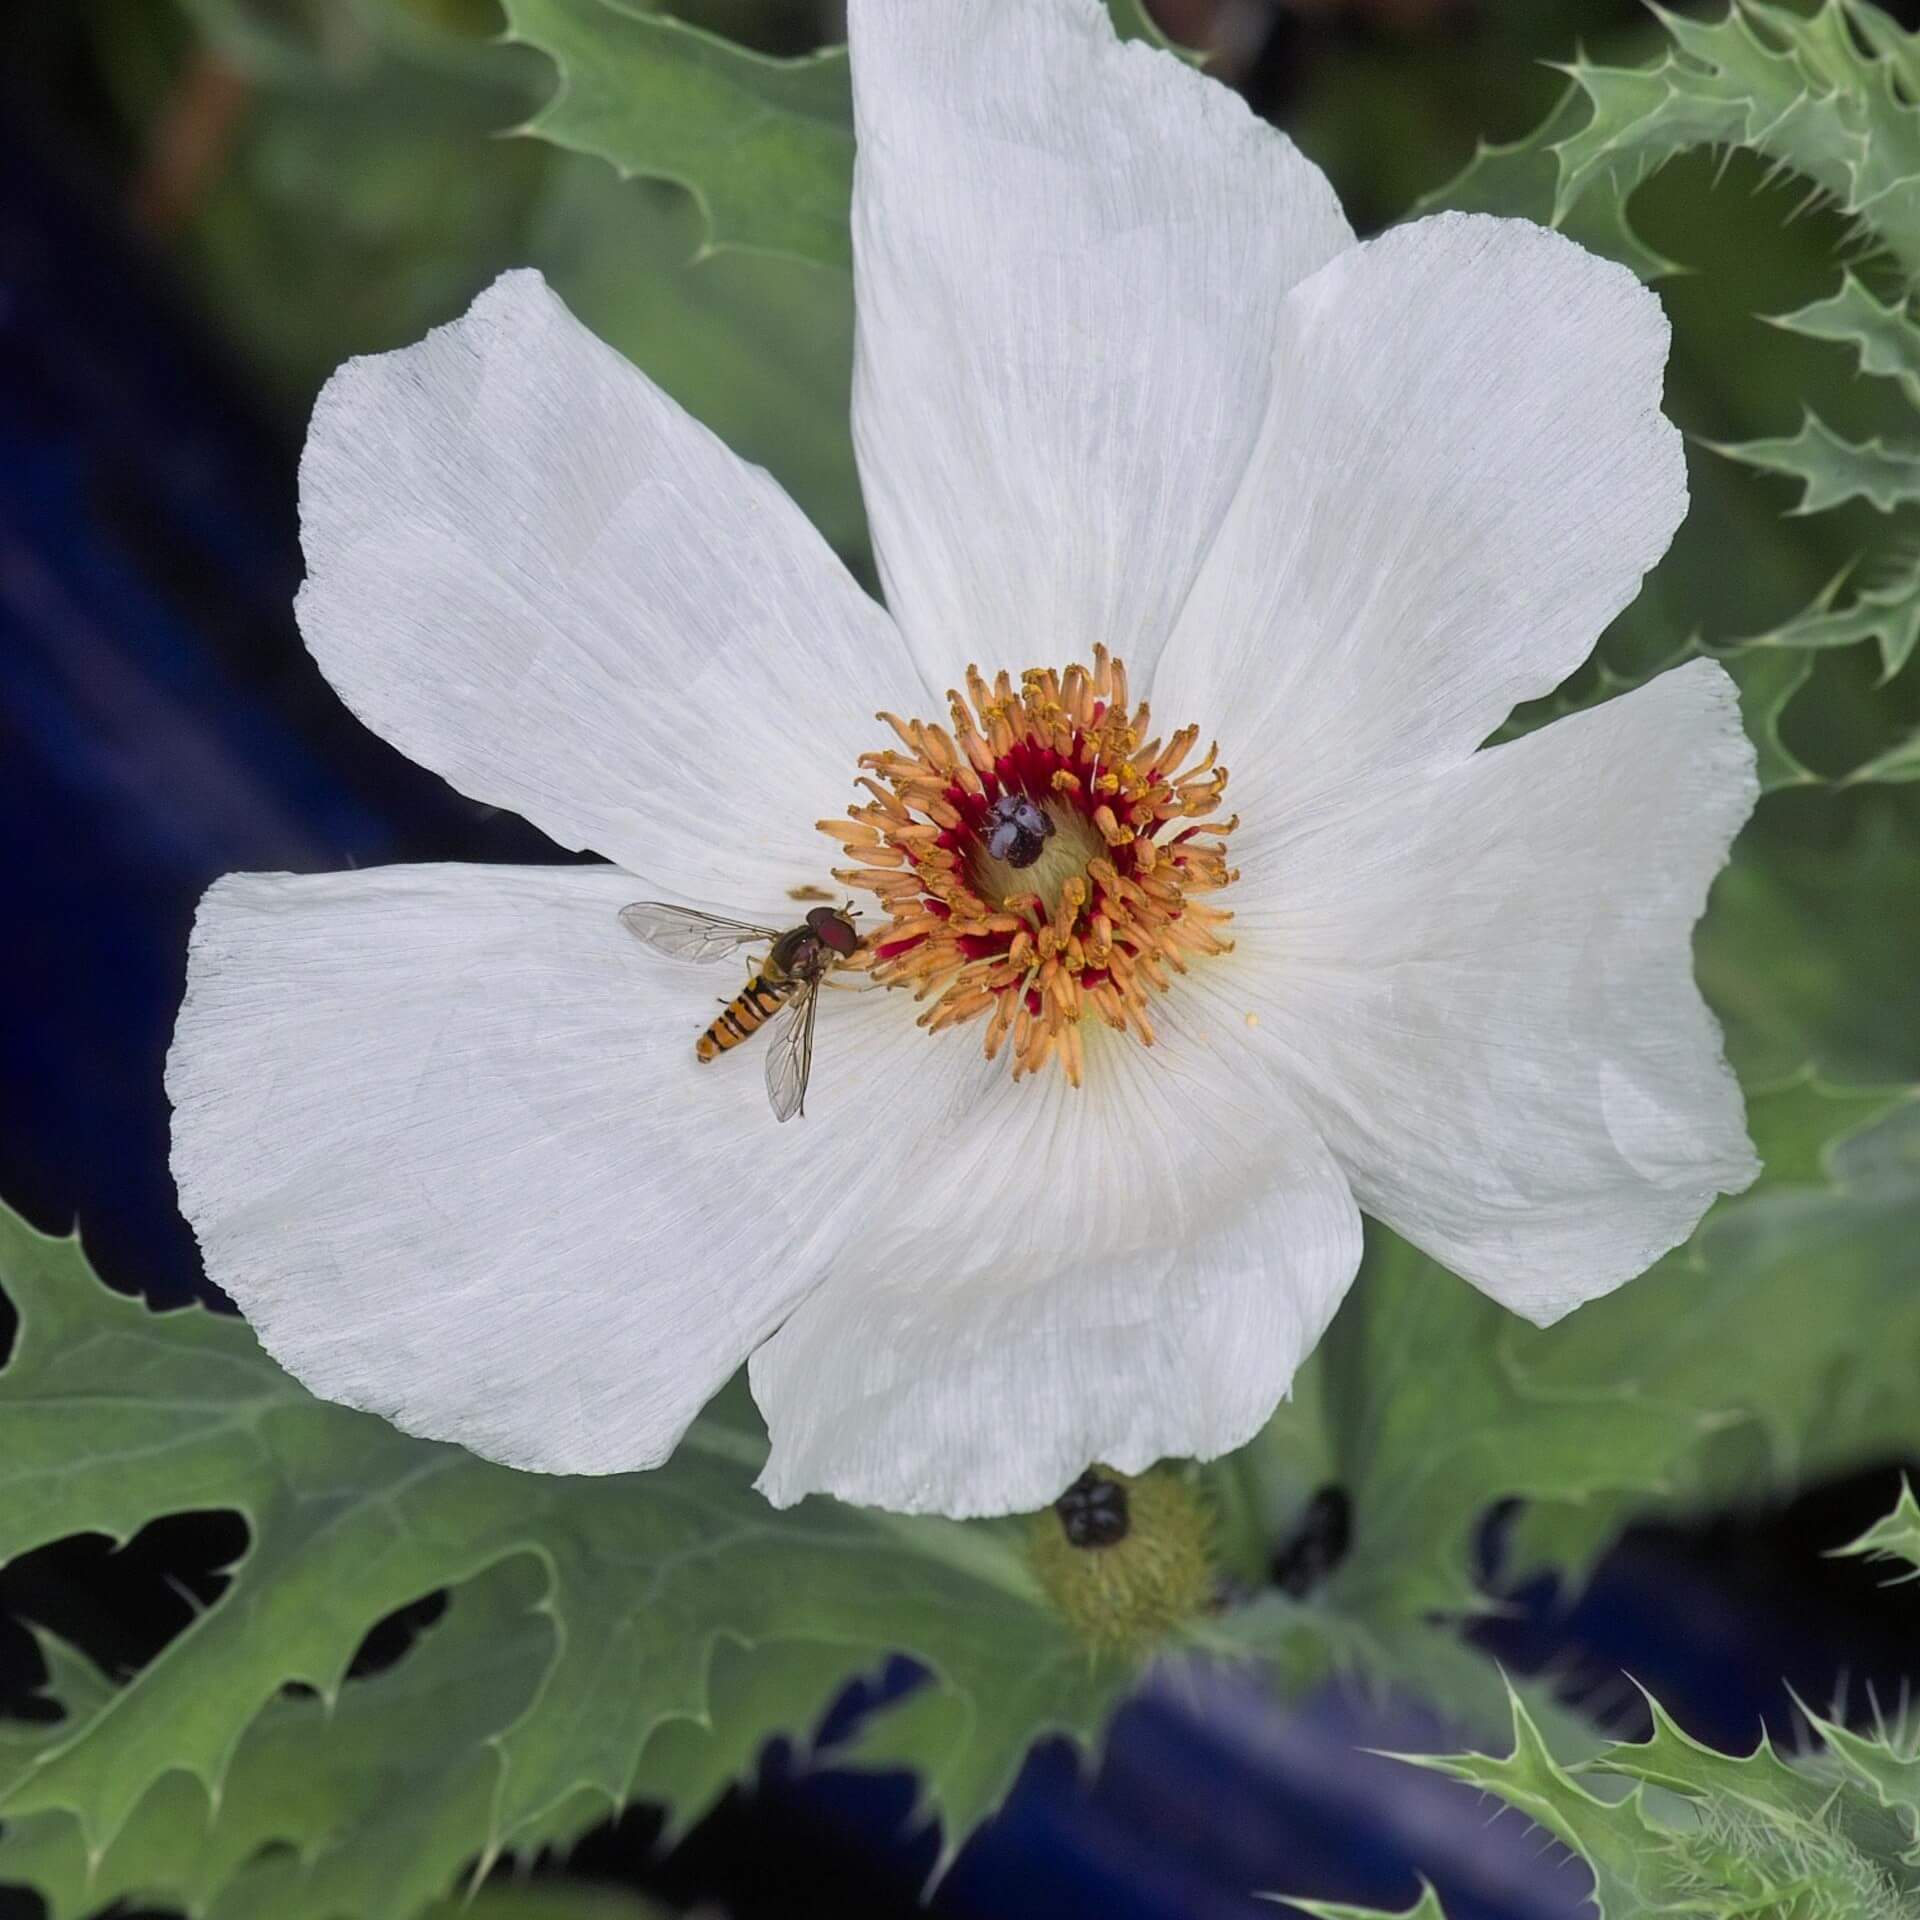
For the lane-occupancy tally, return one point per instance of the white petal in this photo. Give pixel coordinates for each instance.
(443, 1138)
(533, 573)
(1068, 257)
(1482, 984)
(1462, 477)
(1118, 1273)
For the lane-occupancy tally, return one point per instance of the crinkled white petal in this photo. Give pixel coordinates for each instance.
(1069, 255)
(443, 1138)
(1480, 983)
(534, 573)
(1116, 1274)
(1462, 476)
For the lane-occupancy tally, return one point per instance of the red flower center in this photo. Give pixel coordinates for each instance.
(1038, 863)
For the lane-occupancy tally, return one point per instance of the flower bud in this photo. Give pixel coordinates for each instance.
(1126, 1558)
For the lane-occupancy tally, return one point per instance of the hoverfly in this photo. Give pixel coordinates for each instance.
(797, 961)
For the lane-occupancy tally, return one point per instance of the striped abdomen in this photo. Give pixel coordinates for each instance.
(746, 1013)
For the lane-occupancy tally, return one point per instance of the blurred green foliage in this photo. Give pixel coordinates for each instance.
(372, 180)
(377, 173)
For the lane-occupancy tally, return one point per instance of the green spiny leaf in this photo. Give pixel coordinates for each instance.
(1768, 679)
(1888, 38)
(111, 1416)
(1614, 1840)
(1670, 1757)
(1895, 1536)
(1427, 1907)
(1888, 614)
(1759, 1838)
(73, 1684)
(1800, 1126)
(363, 1815)
(764, 145)
(781, 1687)
(1886, 1762)
(628, 1644)
(1898, 766)
(1884, 338)
(1519, 180)
(1767, 671)
(1807, 1818)
(547, 1900)
(1817, 95)
(1832, 470)
(1800, 90)
(1771, 669)
(1640, 118)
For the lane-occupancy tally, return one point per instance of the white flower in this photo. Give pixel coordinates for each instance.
(1125, 383)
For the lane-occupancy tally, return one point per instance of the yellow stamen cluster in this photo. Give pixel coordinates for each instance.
(1111, 908)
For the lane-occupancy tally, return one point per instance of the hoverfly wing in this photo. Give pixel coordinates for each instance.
(681, 933)
(790, 1058)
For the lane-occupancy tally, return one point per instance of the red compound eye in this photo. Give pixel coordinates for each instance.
(833, 929)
